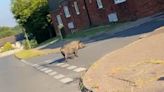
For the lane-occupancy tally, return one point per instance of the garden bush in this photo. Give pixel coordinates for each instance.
(8, 46)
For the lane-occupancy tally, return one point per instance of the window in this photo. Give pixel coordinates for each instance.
(71, 25)
(76, 8)
(59, 20)
(113, 17)
(119, 1)
(66, 11)
(99, 3)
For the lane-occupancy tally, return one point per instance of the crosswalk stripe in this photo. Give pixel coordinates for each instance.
(59, 64)
(48, 61)
(59, 76)
(48, 71)
(35, 65)
(65, 65)
(71, 67)
(52, 73)
(66, 80)
(79, 69)
(44, 69)
(40, 67)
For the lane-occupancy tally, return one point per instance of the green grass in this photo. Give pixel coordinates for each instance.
(26, 54)
(7, 33)
(92, 31)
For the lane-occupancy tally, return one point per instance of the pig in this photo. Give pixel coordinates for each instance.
(71, 49)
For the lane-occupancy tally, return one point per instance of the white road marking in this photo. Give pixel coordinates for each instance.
(35, 65)
(59, 64)
(23, 60)
(40, 67)
(44, 69)
(48, 61)
(79, 69)
(71, 67)
(53, 73)
(65, 65)
(48, 71)
(59, 76)
(66, 80)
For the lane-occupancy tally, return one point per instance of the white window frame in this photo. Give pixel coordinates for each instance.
(119, 1)
(76, 8)
(99, 4)
(66, 12)
(59, 20)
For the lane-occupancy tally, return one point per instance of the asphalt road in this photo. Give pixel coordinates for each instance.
(50, 74)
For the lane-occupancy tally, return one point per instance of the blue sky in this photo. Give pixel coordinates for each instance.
(6, 17)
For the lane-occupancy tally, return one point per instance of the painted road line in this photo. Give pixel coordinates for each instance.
(71, 67)
(48, 61)
(48, 71)
(66, 80)
(52, 73)
(44, 69)
(35, 65)
(65, 65)
(59, 64)
(40, 67)
(79, 69)
(23, 60)
(59, 76)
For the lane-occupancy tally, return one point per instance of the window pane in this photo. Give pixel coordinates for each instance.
(99, 3)
(119, 1)
(113, 17)
(59, 20)
(66, 11)
(76, 8)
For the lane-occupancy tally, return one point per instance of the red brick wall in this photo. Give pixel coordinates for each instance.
(131, 9)
(99, 16)
(80, 21)
(124, 11)
(144, 8)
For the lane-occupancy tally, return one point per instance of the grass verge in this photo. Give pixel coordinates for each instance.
(27, 54)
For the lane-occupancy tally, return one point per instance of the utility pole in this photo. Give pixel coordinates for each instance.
(26, 37)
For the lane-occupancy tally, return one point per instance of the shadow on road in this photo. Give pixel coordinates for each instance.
(58, 61)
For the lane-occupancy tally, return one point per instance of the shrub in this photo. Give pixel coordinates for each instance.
(7, 47)
(33, 44)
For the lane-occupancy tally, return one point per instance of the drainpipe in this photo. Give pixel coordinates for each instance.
(89, 18)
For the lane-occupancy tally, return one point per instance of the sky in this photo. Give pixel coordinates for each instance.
(6, 16)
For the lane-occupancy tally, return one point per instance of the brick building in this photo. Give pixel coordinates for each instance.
(78, 14)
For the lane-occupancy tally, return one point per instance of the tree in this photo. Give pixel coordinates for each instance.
(33, 15)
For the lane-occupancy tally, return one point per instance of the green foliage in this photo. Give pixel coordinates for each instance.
(33, 44)
(34, 16)
(7, 47)
(8, 31)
